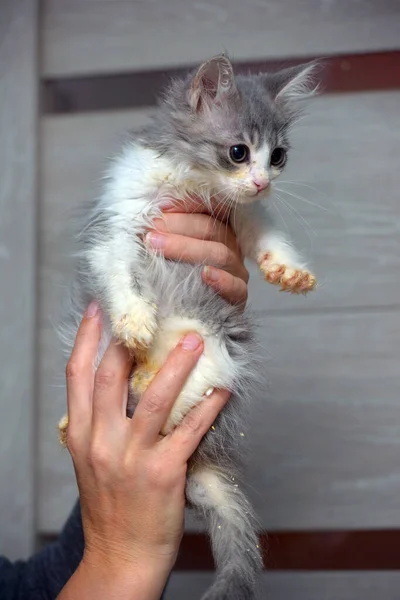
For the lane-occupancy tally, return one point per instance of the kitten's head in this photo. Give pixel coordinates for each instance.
(233, 132)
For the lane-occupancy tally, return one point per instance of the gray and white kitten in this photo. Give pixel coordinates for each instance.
(226, 138)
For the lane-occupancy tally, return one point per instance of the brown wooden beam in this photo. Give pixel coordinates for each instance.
(342, 73)
(376, 550)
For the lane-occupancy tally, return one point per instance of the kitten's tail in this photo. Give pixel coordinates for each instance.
(231, 526)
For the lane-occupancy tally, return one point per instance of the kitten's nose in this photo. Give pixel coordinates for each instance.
(261, 184)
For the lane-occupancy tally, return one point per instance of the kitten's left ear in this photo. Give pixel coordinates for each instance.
(213, 82)
(293, 83)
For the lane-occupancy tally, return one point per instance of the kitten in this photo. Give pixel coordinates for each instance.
(214, 136)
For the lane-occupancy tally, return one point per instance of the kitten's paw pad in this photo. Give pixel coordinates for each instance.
(136, 329)
(296, 281)
(63, 431)
(273, 273)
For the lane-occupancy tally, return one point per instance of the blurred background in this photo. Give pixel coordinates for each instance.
(324, 466)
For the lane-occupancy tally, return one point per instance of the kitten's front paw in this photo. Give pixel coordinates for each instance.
(296, 281)
(137, 326)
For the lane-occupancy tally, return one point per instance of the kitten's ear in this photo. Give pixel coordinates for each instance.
(293, 83)
(213, 82)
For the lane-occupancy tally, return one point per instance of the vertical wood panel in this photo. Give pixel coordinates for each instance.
(18, 115)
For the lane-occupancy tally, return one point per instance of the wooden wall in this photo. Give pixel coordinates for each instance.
(18, 267)
(325, 433)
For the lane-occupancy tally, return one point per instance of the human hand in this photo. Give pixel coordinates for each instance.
(187, 233)
(131, 480)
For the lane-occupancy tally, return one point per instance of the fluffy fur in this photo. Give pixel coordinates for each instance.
(150, 302)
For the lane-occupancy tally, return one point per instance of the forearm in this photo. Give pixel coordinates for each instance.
(96, 581)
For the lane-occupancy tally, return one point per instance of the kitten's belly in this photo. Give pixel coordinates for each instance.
(215, 368)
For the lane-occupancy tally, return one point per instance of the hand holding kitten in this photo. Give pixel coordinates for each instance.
(184, 233)
(131, 480)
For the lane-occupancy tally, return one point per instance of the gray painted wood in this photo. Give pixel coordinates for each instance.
(325, 435)
(300, 586)
(87, 36)
(18, 116)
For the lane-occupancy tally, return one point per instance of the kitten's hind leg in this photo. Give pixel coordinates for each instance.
(231, 525)
(63, 430)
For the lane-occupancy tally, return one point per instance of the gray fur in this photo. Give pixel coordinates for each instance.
(262, 107)
(251, 105)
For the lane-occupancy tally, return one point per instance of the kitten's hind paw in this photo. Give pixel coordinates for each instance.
(296, 281)
(63, 431)
(136, 328)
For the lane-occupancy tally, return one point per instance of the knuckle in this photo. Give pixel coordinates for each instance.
(99, 457)
(152, 403)
(211, 229)
(72, 442)
(72, 370)
(105, 379)
(241, 289)
(192, 422)
(222, 255)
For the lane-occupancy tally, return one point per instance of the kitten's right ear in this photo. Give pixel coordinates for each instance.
(213, 82)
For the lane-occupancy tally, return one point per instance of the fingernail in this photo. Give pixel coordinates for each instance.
(92, 309)
(191, 341)
(155, 240)
(211, 274)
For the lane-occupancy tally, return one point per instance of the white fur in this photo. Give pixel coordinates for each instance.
(139, 182)
(215, 368)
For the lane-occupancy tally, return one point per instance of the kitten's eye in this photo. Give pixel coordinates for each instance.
(239, 153)
(278, 157)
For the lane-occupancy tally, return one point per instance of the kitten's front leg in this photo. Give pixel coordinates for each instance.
(278, 260)
(281, 266)
(122, 288)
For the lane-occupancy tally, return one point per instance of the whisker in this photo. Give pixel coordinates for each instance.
(305, 201)
(300, 219)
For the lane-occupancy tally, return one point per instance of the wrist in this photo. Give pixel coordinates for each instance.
(141, 576)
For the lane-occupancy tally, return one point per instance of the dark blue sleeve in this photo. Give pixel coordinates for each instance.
(43, 576)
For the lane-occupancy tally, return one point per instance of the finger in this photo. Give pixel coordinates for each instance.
(232, 288)
(194, 204)
(182, 248)
(81, 368)
(200, 226)
(156, 403)
(187, 436)
(111, 386)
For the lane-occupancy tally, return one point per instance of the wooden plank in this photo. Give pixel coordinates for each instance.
(104, 36)
(335, 369)
(295, 586)
(18, 115)
(334, 550)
